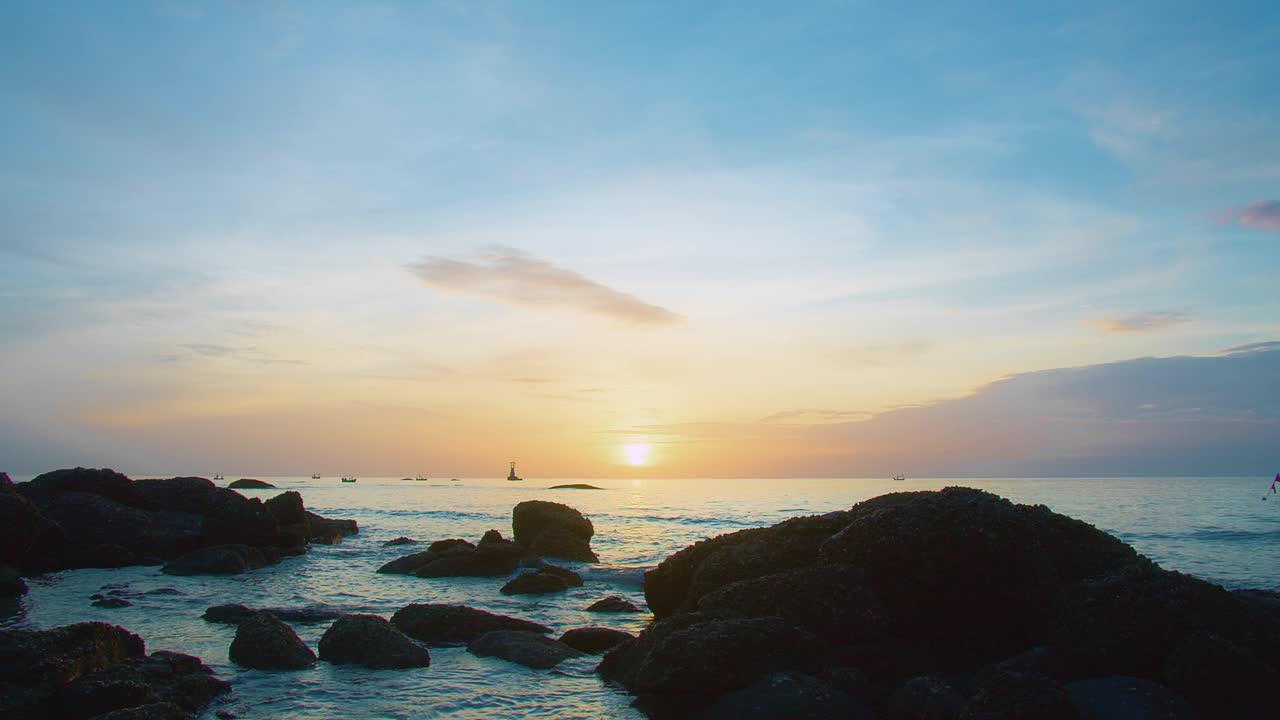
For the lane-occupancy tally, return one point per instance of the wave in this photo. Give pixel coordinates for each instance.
(1209, 535)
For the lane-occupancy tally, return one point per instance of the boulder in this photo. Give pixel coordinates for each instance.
(553, 530)
(103, 482)
(535, 583)
(1117, 697)
(594, 640)
(234, 614)
(794, 696)
(287, 509)
(574, 486)
(29, 541)
(613, 604)
(98, 531)
(571, 578)
(925, 697)
(222, 560)
(693, 655)
(327, 525)
(264, 643)
(163, 677)
(530, 649)
(442, 546)
(194, 495)
(402, 540)
(485, 560)
(327, 535)
(446, 625)
(35, 665)
(407, 564)
(370, 641)
(11, 584)
(491, 536)
(1005, 695)
(234, 519)
(250, 484)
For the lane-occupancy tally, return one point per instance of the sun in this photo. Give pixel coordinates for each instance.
(637, 453)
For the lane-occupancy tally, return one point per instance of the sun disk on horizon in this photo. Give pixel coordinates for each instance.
(637, 453)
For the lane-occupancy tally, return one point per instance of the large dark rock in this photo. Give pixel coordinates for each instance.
(926, 697)
(794, 696)
(535, 583)
(1005, 695)
(194, 495)
(327, 527)
(235, 519)
(696, 656)
(222, 560)
(445, 625)
(101, 532)
(402, 540)
(250, 484)
(29, 541)
(407, 564)
(521, 646)
(265, 643)
(442, 546)
(553, 530)
(370, 641)
(613, 604)
(234, 614)
(287, 509)
(594, 640)
(490, 559)
(1117, 697)
(90, 669)
(153, 711)
(104, 482)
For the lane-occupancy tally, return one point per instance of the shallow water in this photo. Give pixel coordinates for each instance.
(1214, 528)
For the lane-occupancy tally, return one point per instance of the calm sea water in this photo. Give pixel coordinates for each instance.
(1214, 528)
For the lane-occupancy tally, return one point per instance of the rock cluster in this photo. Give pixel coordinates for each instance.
(447, 625)
(553, 530)
(955, 603)
(370, 641)
(99, 671)
(265, 643)
(491, 557)
(99, 518)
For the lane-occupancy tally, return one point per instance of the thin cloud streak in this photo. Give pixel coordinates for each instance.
(1138, 322)
(1261, 215)
(511, 276)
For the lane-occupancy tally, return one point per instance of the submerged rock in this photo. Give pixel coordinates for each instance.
(222, 560)
(594, 640)
(328, 527)
(370, 641)
(523, 647)
(461, 559)
(265, 643)
(445, 625)
(233, 614)
(250, 484)
(402, 540)
(111, 602)
(443, 546)
(553, 530)
(536, 583)
(613, 604)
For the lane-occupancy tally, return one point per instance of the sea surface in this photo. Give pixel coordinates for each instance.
(1216, 528)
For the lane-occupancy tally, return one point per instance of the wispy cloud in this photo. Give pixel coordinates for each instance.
(1253, 347)
(511, 276)
(1261, 215)
(815, 416)
(1138, 322)
(246, 354)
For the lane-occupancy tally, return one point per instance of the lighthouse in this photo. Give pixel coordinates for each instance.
(512, 474)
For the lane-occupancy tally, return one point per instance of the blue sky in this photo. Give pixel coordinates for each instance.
(449, 219)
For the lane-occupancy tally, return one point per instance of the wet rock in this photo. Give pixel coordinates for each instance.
(370, 641)
(553, 530)
(693, 655)
(234, 614)
(265, 643)
(237, 520)
(486, 560)
(222, 560)
(526, 648)
(1117, 697)
(103, 482)
(154, 711)
(1004, 695)
(327, 536)
(400, 541)
(535, 583)
(287, 509)
(786, 695)
(408, 564)
(98, 531)
(163, 677)
(11, 585)
(29, 541)
(491, 536)
(594, 640)
(37, 665)
(323, 524)
(250, 484)
(927, 697)
(445, 625)
(614, 604)
(111, 602)
(443, 546)
(571, 578)
(195, 495)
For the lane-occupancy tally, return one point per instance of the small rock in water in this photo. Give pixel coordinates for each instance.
(614, 604)
(250, 484)
(575, 486)
(111, 602)
(536, 583)
(402, 540)
(442, 546)
(441, 624)
(594, 640)
(262, 642)
(370, 641)
(519, 646)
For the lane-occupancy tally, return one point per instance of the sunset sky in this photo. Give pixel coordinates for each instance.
(686, 239)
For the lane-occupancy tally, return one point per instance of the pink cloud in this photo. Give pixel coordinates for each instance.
(1263, 215)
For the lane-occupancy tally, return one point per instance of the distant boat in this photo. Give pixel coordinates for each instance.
(512, 475)
(348, 479)
(315, 477)
(899, 477)
(218, 477)
(453, 480)
(420, 479)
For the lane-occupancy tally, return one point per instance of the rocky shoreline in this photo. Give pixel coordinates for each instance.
(909, 606)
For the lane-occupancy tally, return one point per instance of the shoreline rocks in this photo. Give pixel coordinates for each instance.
(263, 642)
(594, 640)
(370, 641)
(234, 614)
(250, 484)
(451, 625)
(546, 579)
(521, 646)
(222, 560)
(459, 558)
(613, 604)
(553, 530)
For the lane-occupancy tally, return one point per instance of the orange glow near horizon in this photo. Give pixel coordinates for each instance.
(637, 453)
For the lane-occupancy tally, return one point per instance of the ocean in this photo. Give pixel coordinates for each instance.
(1215, 528)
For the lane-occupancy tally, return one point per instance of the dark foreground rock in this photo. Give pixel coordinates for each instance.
(90, 670)
(265, 643)
(250, 484)
(370, 641)
(903, 590)
(447, 625)
(613, 604)
(594, 640)
(553, 530)
(402, 540)
(234, 614)
(11, 585)
(539, 582)
(459, 558)
(794, 696)
(222, 560)
(526, 648)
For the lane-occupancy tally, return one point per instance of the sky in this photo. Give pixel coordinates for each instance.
(816, 239)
